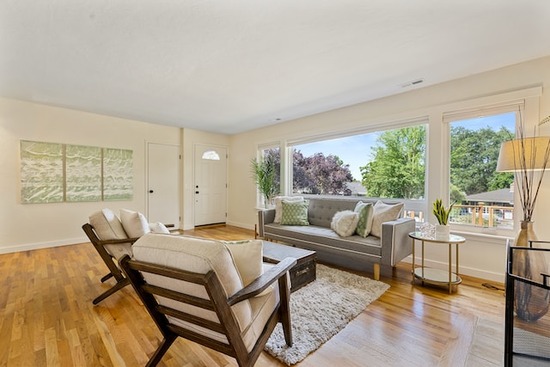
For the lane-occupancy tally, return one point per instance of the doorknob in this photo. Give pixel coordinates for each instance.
(196, 192)
(150, 191)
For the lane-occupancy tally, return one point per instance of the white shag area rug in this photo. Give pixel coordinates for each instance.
(321, 309)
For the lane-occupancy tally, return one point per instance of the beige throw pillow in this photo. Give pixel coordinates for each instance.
(158, 227)
(135, 224)
(345, 222)
(384, 213)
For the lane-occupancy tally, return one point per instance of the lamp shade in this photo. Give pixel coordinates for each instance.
(524, 154)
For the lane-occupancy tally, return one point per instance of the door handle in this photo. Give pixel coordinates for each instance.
(150, 191)
(196, 192)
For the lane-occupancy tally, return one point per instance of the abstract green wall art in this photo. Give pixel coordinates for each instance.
(41, 172)
(83, 173)
(54, 173)
(117, 174)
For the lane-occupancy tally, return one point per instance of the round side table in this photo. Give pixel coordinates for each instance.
(431, 275)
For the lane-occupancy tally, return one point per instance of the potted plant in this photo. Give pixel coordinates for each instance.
(263, 172)
(442, 215)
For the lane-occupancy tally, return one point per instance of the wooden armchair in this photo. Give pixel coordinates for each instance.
(192, 288)
(106, 233)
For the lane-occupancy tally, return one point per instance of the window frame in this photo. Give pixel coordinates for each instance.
(517, 107)
(421, 119)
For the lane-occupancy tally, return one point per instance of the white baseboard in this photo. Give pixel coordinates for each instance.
(466, 270)
(36, 246)
(240, 225)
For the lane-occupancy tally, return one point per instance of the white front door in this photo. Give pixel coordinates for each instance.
(210, 188)
(163, 199)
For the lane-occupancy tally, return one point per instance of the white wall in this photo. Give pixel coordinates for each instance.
(481, 256)
(39, 225)
(30, 226)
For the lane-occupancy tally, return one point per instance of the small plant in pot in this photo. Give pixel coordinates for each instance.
(442, 214)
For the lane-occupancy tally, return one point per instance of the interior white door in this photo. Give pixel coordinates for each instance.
(210, 187)
(163, 199)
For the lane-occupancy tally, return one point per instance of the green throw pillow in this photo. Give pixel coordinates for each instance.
(295, 213)
(364, 225)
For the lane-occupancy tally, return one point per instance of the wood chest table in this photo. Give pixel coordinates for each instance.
(300, 274)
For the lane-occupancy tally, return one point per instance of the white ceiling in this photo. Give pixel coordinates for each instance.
(233, 65)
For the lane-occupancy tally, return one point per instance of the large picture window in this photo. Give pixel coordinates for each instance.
(482, 196)
(385, 164)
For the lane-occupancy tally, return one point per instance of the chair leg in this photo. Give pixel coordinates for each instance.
(284, 309)
(106, 277)
(119, 285)
(161, 350)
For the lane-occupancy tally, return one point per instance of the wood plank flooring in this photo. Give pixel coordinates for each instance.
(47, 318)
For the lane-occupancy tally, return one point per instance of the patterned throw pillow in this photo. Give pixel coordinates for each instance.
(279, 205)
(366, 212)
(344, 222)
(295, 213)
(384, 213)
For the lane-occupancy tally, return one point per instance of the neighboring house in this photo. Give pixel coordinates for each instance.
(355, 188)
(490, 209)
(502, 197)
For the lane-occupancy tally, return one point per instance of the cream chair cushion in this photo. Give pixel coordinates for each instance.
(200, 256)
(248, 256)
(107, 226)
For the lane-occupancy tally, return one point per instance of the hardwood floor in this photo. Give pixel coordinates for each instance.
(47, 318)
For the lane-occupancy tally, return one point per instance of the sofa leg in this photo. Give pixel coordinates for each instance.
(376, 271)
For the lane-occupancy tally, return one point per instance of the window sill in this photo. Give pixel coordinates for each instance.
(491, 237)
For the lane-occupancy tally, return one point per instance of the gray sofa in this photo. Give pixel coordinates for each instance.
(353, 252)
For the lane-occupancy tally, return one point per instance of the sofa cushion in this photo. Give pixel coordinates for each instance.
(134, 223)
(279, 205)
(322, 210)
(295, 213)
(320, 236)
(384, 213)
(345, 222)
(195, 255)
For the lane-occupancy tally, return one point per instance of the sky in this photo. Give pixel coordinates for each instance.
(353, 150)
(356, 150)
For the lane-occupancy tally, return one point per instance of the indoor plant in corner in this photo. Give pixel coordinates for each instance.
(263, 172)
(442, 215)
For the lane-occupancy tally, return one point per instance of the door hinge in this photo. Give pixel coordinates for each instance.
(180, 156)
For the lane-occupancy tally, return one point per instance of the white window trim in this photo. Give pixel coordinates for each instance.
(526, 101)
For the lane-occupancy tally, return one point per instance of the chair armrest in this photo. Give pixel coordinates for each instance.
(263, 281)
(265, 216)
(117, 241)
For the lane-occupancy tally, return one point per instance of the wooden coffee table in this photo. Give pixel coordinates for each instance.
(300, 274)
